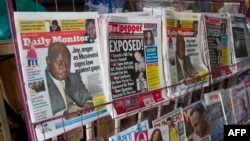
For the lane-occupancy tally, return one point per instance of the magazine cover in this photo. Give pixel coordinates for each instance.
(226, 101)
(215, 114)
(247, 85)
(134, 63)
(217, 47)
(196, 123)
(239, 103)
(174, 120)
(243, 76)
(238, 42)
(128, 134)
(60, 62)
(153, 134)
(183, 61)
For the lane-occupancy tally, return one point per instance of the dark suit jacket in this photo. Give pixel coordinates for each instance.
(75, 91)
(87, 39)
(187, 67)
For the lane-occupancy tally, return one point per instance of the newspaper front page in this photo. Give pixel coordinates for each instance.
(60, 62)
(216, 35)
(134, 63)
(192, 132)
(239, 103)
(215, 113)
(183, 61)
(238, 34)
(226, 101)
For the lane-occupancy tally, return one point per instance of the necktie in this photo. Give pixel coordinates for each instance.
(62, 89)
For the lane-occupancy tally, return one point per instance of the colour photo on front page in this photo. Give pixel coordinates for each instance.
(238, 40)
(135, 64)
(239, 103)
(183, 61)
(175, 121)
(217, 31)
(60, 62)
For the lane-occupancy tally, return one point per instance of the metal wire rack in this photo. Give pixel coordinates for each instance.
(104, 127)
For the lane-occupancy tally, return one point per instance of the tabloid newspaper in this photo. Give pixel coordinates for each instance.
(128, 134)
(203, 133)
(239, 103)
(215, 115)
(134, 63)
(183, 61)
(226, 102)
(58, 47)
(173, 119)
(238, 42)
(156, 133)
(217, 47)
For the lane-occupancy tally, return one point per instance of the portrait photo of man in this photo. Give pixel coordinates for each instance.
(90, 35)
(185, 69)
(200, 124)
(55, 26)
(67, 92)
(141, 86)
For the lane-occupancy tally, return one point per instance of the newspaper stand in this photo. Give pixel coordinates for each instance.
(91, 131)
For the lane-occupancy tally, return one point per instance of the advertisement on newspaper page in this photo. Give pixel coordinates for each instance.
(217, 32)
(135, 64)
(183, 63)
(60, 62)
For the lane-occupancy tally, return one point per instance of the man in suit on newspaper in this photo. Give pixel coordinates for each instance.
(67, 92)
(185, 69)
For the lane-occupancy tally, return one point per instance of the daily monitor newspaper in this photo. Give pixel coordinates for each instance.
(183, 60)
(134, 63)
(60, 48)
